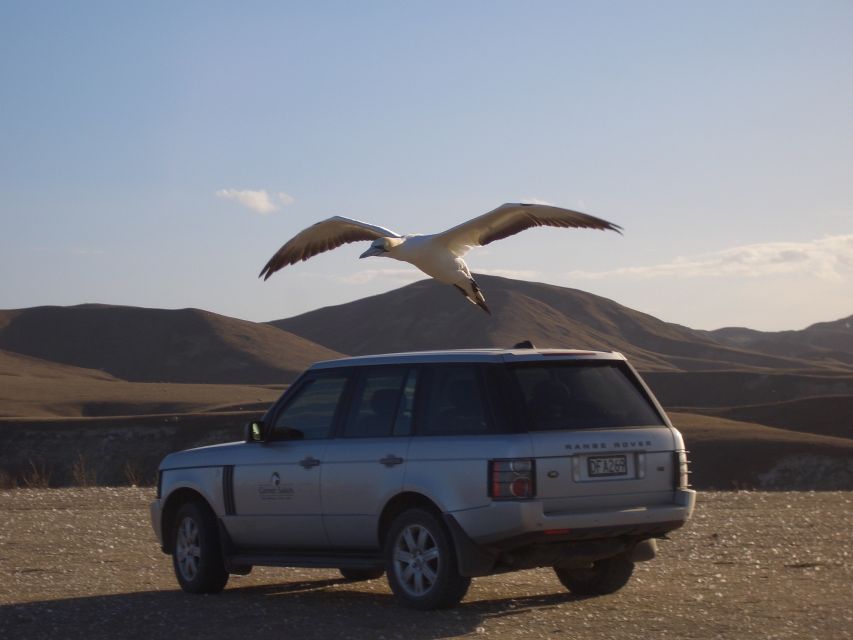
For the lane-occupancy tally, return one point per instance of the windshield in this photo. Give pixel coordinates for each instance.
(583, 395)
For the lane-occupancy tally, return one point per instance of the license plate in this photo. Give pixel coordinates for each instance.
(602, 466)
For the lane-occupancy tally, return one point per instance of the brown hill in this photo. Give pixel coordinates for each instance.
(829, 416)
(428, 315)
(34, 388)
(700, 390)
(825, 341)
(157, 345)
(728, 454)
(16, 365)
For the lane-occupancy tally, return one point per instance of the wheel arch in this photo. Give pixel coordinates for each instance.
(397, 505)
(174, 502)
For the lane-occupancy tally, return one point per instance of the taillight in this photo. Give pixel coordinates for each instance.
(512, 479)
(680, 472)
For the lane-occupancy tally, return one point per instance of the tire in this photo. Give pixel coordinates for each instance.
(361, 574)
(420, 562)
(603, 577)
(196, 553)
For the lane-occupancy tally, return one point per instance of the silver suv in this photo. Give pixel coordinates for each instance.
(434, 468)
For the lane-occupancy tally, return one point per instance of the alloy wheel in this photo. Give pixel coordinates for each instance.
(188, 548)
(416, 559)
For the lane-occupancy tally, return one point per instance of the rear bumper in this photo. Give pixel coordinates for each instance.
(503, 521)
(530, 538)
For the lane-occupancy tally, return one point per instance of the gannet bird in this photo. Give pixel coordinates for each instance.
(438, 255)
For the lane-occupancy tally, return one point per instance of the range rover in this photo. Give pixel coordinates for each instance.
(434, 468)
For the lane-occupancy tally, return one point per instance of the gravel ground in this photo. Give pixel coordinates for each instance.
(84, 563)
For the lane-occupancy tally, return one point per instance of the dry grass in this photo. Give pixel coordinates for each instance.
(37, 476)
(133, 474)
(82, 473)
(7, 480)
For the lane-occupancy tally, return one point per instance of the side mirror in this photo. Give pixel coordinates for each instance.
(254, 432)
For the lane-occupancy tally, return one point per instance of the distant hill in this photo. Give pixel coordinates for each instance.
(69, 361)
(157, 345)
(729, 454)
(34, 388)
(14, 365)
(430, 315)
(824, 341)
(829, 416)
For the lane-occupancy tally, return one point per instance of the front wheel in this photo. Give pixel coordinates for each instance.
(196, 554)
(421, 562)
(602, 577)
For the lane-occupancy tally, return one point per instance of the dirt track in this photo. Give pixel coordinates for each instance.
(83, 563)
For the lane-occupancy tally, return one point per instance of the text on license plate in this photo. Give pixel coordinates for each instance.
(599, 466)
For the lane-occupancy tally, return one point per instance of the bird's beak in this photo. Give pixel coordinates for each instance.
(373, 251)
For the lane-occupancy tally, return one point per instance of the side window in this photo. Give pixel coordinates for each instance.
(403, 424)
(454, 404)
(379, 406)
(310, 414)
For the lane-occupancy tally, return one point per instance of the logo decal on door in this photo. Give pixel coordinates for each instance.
(274, 490)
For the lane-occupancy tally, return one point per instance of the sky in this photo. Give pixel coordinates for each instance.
(158, 153)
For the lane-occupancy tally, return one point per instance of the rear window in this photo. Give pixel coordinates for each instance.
(587, 395)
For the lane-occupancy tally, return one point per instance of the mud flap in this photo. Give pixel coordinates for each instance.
(471, 558)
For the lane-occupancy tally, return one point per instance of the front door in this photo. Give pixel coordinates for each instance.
(277, 487)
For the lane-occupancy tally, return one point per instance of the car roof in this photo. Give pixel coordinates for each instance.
(471, 355)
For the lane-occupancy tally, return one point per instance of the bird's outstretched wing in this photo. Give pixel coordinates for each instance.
(509, 219)
(320, 237)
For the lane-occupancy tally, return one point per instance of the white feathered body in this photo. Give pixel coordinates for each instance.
(419, 250)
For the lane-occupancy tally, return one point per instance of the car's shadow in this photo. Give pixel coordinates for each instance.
(309, 609)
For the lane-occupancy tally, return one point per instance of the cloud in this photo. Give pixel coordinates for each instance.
(536, 201)
(829, 258)
(259, 201)
(517, 274)
(399, 276)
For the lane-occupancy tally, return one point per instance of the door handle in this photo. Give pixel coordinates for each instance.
(390, 460)
(309, 462)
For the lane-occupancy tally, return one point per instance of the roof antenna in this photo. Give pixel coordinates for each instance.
(526, 344)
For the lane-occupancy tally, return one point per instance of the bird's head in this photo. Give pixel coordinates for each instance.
(381, 246)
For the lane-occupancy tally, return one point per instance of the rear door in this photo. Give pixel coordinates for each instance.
(457, 433)
(364, 465)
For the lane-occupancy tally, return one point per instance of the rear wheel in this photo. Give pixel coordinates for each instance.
(196, 554)
(602, 577)
(421, 563)
(361, 574)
